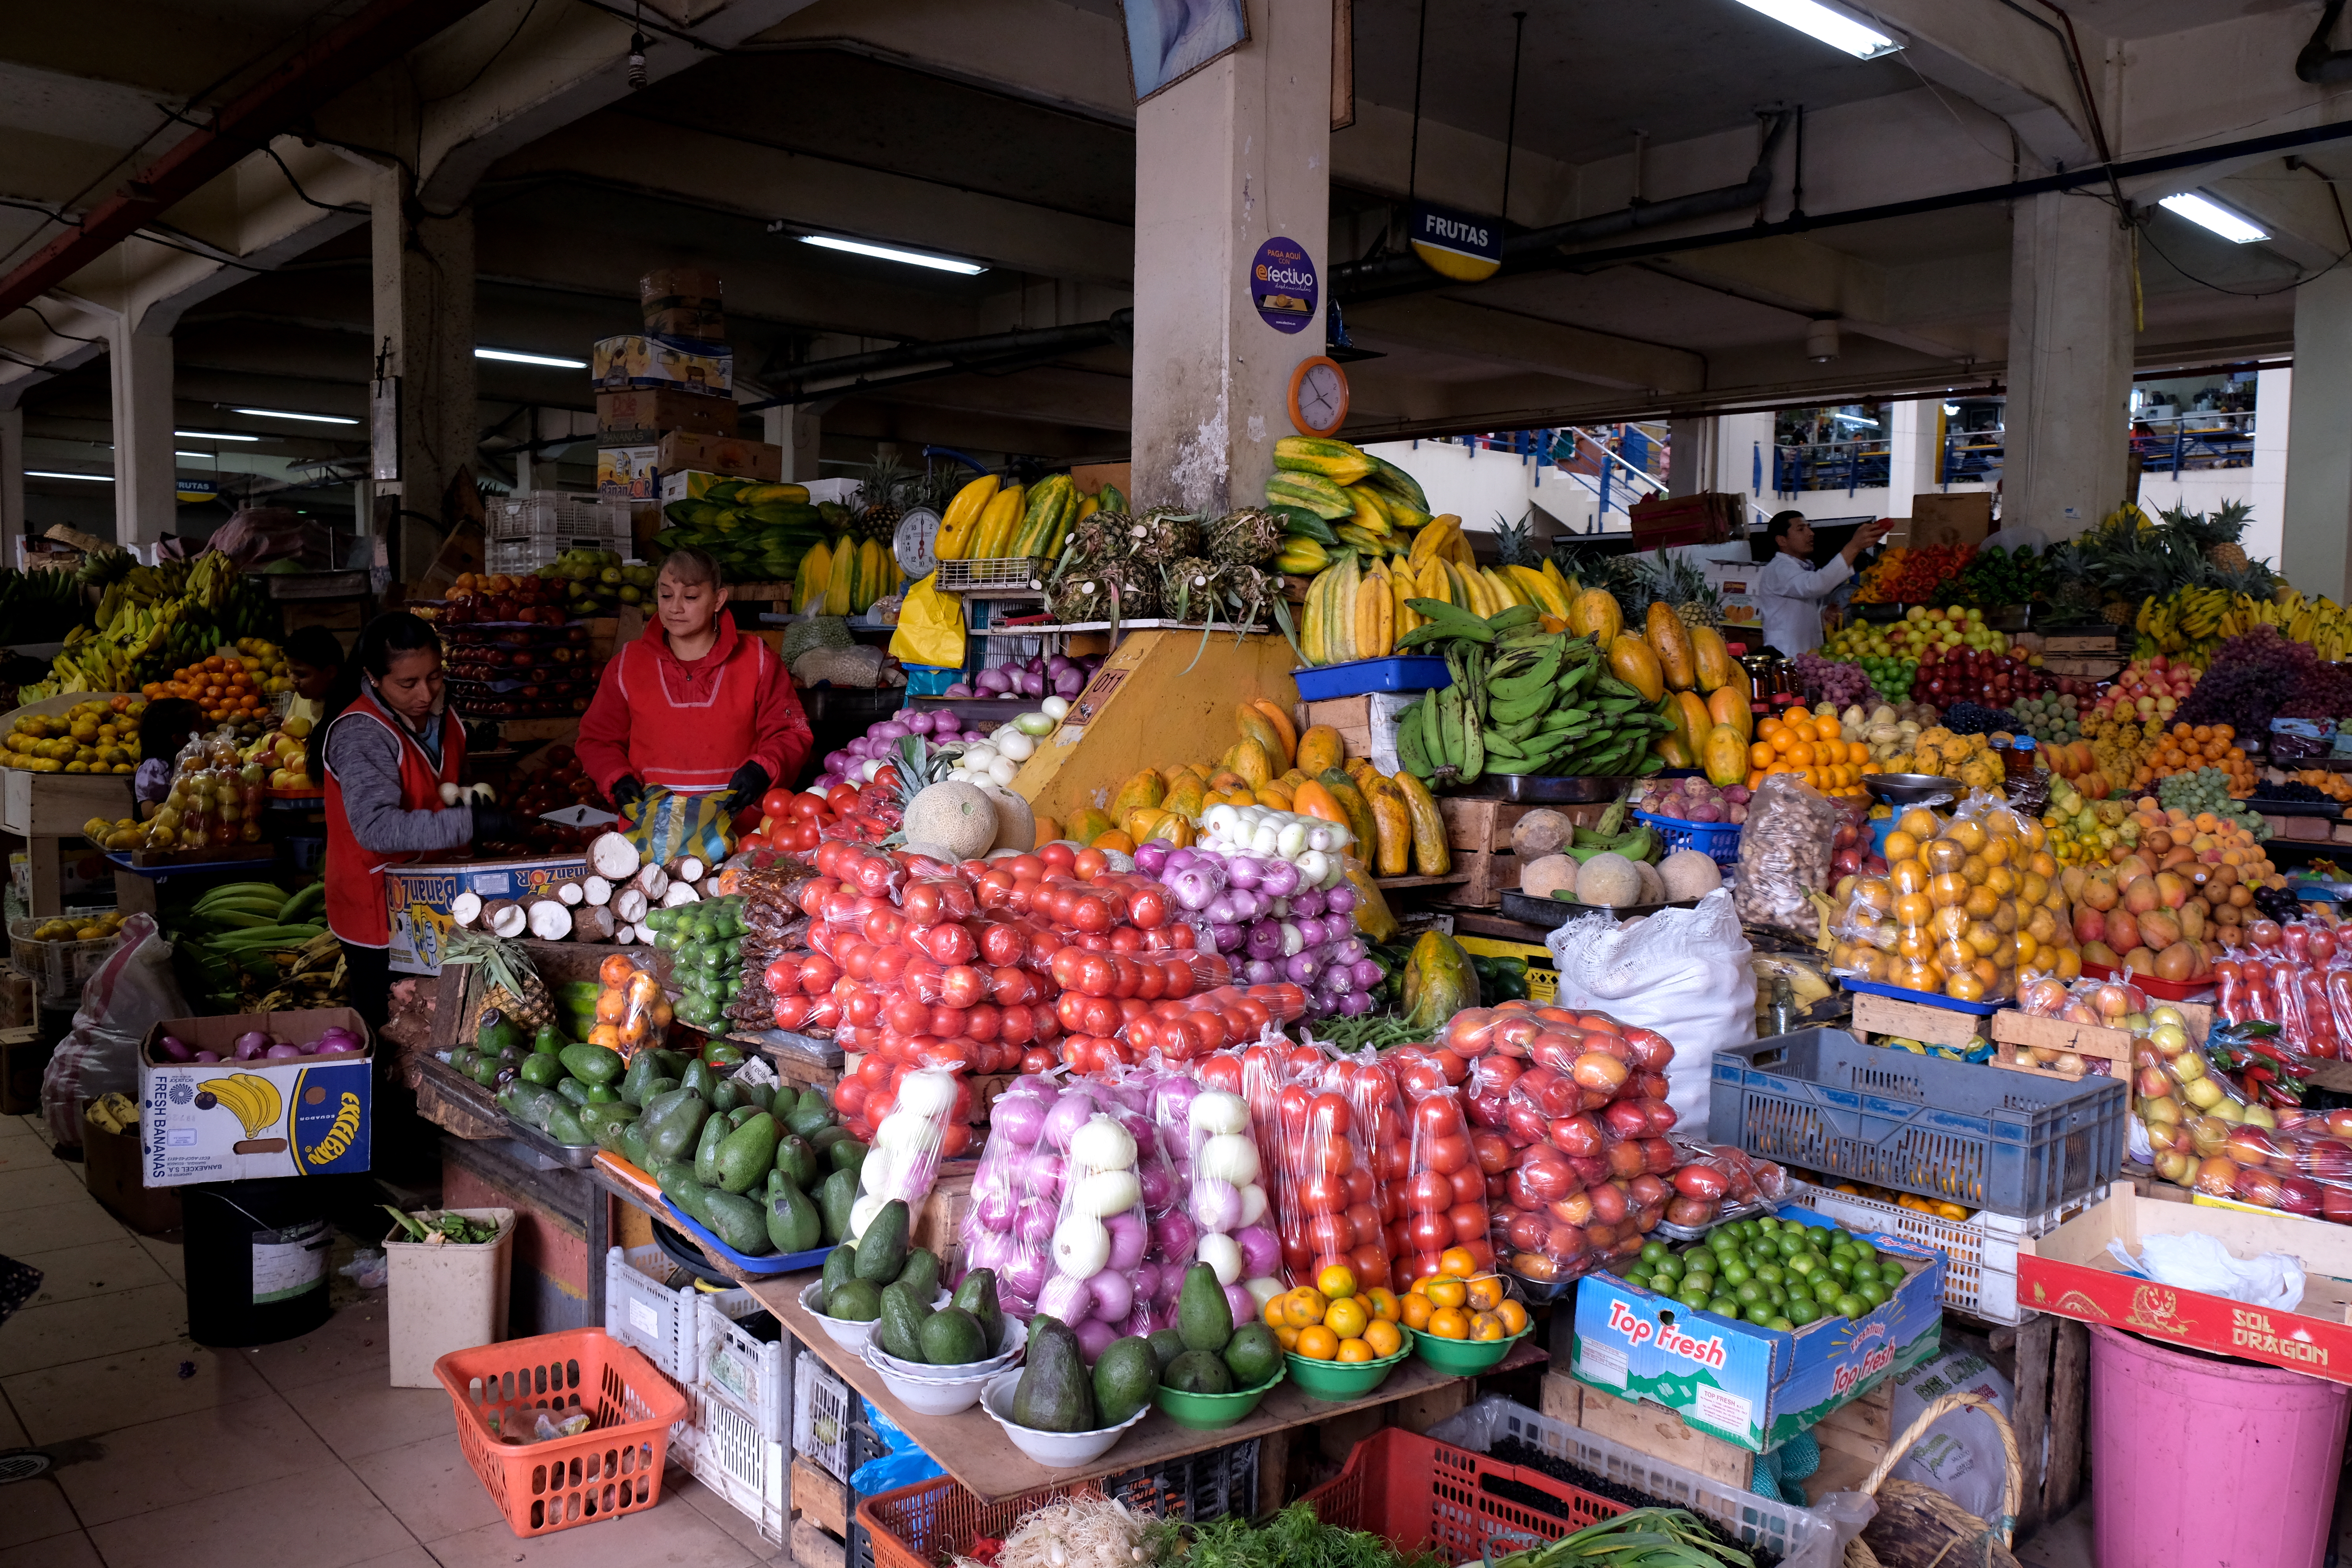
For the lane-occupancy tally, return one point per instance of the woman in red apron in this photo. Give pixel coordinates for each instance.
(386, 746)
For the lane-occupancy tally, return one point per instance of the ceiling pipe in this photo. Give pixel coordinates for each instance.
(371, 40)
(994, 354)
(2318, 64)
(1385, 277)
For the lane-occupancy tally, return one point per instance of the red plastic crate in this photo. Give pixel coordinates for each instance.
(1419, 1493)
(613, 1467)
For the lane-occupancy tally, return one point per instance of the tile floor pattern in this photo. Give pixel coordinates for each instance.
(297, 1455)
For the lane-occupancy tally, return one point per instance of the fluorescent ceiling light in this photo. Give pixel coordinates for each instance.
(57, 474)
(516, 357)
(1831, 27)
(212, 436)
(208, 456)
(289, 414)
(2206, 213)
(1853, 419)
(884, 253)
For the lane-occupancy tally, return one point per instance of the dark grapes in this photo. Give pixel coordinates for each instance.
(1969, 718)
(1825, 679)
(2250, 677)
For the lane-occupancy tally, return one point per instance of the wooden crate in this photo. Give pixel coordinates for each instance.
(1486, 823)
(2084, 666)
(2048, 1361)
(1492, 873)
(23, 1062)
(1646, 1429)
(818, 1498)
(2016, 1034)
(1885, 1017)
(2078, 643)
(940, 1228)
(1860, 1428)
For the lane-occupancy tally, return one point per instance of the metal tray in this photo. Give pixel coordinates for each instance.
(2330, 808)
(1536, 789)
(1553, 913)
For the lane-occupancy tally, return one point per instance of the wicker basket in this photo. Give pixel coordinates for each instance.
(1918, 1526)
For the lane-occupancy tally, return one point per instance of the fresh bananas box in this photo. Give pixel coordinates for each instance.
(232, 1121)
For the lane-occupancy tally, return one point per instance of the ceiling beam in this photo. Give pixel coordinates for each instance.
(1531, 342)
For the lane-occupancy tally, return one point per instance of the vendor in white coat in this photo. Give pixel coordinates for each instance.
(1790, 591)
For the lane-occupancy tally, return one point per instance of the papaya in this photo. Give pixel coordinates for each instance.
(1184, 795)
(1358, 811)
(1255, 726)
(1252, 761)
(1145, 788)
(1276, 716)
(1275, 796)
(1373, 916)
(1169, 828)
(1439, 980)
(1672, 750)
(1392, 823)
(1138, 824)
(1724, 756)
(1113, 840)
(1633, 661)
(1432, 857)
(1086, 825)
(1594, 614)
(1727, 706)
(1048, 830)
(1711, 659)
(1670, 640)
(1691, 711)
(1319, 748)
(1226, 780)
(1313, 799)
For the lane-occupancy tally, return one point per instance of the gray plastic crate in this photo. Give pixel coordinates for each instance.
(1965, 1132)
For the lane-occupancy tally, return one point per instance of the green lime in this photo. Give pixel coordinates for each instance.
(1700, 1281)
(1864, 1252)
(1803, 1307)
(1872, 1291)
(1694, 1299)
(1748, 1293)
(1892, 1273)
(1791, 1241)
(1767, 1224)
(1774, 1294)
(1837, 1234)
(1638, 1280)
(1653, 1251)
(1724, 1307)
(1735, 1271)
(1851, 1306)
(1770, 1274)
(1668, 1268)
(1783, 1324)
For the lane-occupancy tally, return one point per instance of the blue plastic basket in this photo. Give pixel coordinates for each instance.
(1398, 672)
(766, 1263)
(1719, 841)
(1979, 1135)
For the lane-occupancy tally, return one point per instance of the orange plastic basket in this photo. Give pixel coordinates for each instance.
(613, 1467)
(924, 1525)
(1419, 1493)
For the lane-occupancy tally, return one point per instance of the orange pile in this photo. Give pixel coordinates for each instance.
(223, 687)
(2184, 749)
(1330, 1321)
(1813, 747)
(1459, 1303)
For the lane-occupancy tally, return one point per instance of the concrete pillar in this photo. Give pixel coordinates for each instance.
(795, 426)
(2070, 365)
(146, 473)
(13, 522)
(423, 277)
(1912, 465)
(1690, 456)
(2316, 555)
(1234, 155)
(2273, 414)
(1743, 462)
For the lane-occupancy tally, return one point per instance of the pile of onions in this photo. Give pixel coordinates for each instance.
(1316, 848)
(1274, 921)
(858, 762)
(1211, 1143)
(255, 1046)
(1047, 676)
(905, 1159)
(996, 757)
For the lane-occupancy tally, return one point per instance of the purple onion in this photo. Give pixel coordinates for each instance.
(1262, 972)
(1172, 1099)
(1033, 1222)
(1066, 1298)
(1095, 1336)
(1018, 1118)
(1062, 1123)
(1365, 973)
(1044, 1176)
(1340, 900)
(1057, 663)
(995, 1207)
(889, 729)
(1128, 1236)
(996, 680)
(1174, 1234)
(1114, 1295)
(1184, 855)
(251, 1046)
(1356, 1004)
(1195, 888)
(1307, 901)
(960, 688)
(1244, 870)
(1171, 1285)
(1146, 1281)
(1265, 939)
(1279, 880)
(206, 1057)
(1302, 968)
(1220, 910)
(171, 1048)
(1347, 948)
(1023, 1272)
(1151, 857)
(1310, 931)
(1159, 1184)
(1069, 683)
(1032, 684)
(989, 1249)
(1217, 1204)
(838, 761)
(1227, 938)
(1241, 1302)
(1261, 1251)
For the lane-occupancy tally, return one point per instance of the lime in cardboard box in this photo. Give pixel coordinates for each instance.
(1742, 1382)
(417, 899)
(240, 1121)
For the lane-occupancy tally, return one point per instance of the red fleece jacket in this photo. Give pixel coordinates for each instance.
(687, 727)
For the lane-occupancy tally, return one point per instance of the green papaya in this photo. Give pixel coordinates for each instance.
(976, 1294)
(1055, 1393)
(747, 1154)
(834, 1199)
(591, 1064)
(922, 1273)
(792, 1221)
(706, 1150)
(900, 1327)
(1439, 980)
(737, 1221)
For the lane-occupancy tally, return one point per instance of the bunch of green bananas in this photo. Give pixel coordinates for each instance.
(1523, 701)
(1610, 836)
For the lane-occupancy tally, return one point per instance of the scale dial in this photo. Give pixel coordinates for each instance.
(918, 531)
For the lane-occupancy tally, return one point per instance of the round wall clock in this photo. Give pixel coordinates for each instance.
(1318, 396)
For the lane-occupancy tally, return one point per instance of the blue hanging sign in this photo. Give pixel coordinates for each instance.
(1458, 245)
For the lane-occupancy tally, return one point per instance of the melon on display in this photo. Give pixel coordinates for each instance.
(957, 815)
(1016, 825)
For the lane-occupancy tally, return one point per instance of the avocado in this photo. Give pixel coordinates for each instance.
(882, 1249)
(857, 1301)
(671, 1123)
(900, 1327)
(796, 1160)
(840, 1268)
(591, 1064)
(758, 1094)
(485, 1072)
(657, 1086)
(496, 1034)
(633, 1145)
(1203, 1315)
(834, 1199)
(920, 1274)
(826, 1136)
(810, 1116)
(951, 1337)
(724, 1095)
(846, 1154)
(671, 1064)
(793, 1221)
(607, 1132)
(1055, 1394)
(977, 1295)
(698, 1077)
(603, 1094)
(678, 1186)
(563, 1126)
(1126, 1376)
(747, 1154)
(571, 1089)
(785, 1100)
(1253, 1356)
(737, 1221)
(705, 1151)
(1199, 1371)
(544, 1072)
(1167, 1345)
(742, 1113)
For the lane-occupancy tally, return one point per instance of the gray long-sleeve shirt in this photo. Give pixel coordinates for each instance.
(366, 760)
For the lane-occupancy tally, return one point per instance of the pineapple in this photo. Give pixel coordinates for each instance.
(2216, 534)
(1243, 538)
(513, 986)
(1164, 533)
(1121, 590)
(1098, 537)
(883, 486)
(2130, 570)
(1511, 545)
(1189, 588)
(1682, 586)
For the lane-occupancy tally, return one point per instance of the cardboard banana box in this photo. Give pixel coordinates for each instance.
(234, 1120)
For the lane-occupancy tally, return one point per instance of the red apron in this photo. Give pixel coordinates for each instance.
(355, 896)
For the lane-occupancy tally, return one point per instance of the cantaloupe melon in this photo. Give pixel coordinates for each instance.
(1017, 827)
(958, 816)
(1689, 874)
(1548, 874)
(1608, 880)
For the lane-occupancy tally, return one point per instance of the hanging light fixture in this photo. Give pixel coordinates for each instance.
(1821, 340)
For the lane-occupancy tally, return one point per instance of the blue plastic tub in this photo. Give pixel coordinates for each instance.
(767, 1263)
(1398, 672)
(1979, 1135)
(1719, 841)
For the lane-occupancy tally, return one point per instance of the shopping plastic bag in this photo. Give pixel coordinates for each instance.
(1684, 973)
(669, 825)
(2196, 1261)
(131, 993)
(930, 626)
(1961, 1454)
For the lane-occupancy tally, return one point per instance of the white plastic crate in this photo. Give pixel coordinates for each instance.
(557, 514)
(58, 968)
(1979, 1253)
(824, 1411)
(739, 1398)
(748, 1373)
(1802, 1537)
(644, 1310)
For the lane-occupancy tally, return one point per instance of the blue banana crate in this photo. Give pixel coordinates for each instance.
(1398, 672)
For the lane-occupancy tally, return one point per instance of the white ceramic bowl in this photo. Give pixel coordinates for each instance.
(940, 1395)
(1016, 1337)
(846, 1333)
(1055, 1450)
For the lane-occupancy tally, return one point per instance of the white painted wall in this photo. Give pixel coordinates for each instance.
(2264, 484)
(1474, 484)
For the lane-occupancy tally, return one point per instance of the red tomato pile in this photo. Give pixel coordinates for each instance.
(2293, 976)
(798, 823)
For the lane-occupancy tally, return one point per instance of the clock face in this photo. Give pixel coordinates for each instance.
(1319, 397)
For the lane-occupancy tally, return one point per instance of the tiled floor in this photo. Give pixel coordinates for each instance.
(290, 1456)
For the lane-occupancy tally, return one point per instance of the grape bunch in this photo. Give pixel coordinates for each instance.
(1972, 719)
(1829, 680)
(2323, 692)
(2052, 720)
(2208, 789)
(2250, 677)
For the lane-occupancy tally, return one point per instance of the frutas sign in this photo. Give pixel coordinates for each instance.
(1743, 1383)
(1456, 245)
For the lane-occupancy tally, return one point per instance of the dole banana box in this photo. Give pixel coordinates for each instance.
(417, 896)
(1744, 1383)
(238, 1122)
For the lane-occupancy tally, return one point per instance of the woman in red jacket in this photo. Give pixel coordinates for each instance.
(694, 706)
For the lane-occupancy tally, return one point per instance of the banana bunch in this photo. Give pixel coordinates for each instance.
(2323, 622)
(1523, 701)
(112, 1113)
(255, 949)
(151, 620)
(1342, 621)
(315, 979)
(1610, 836)
(253, 1100)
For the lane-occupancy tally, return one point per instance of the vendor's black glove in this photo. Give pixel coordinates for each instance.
(750, 783)
(627, 792)
(493, 825)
